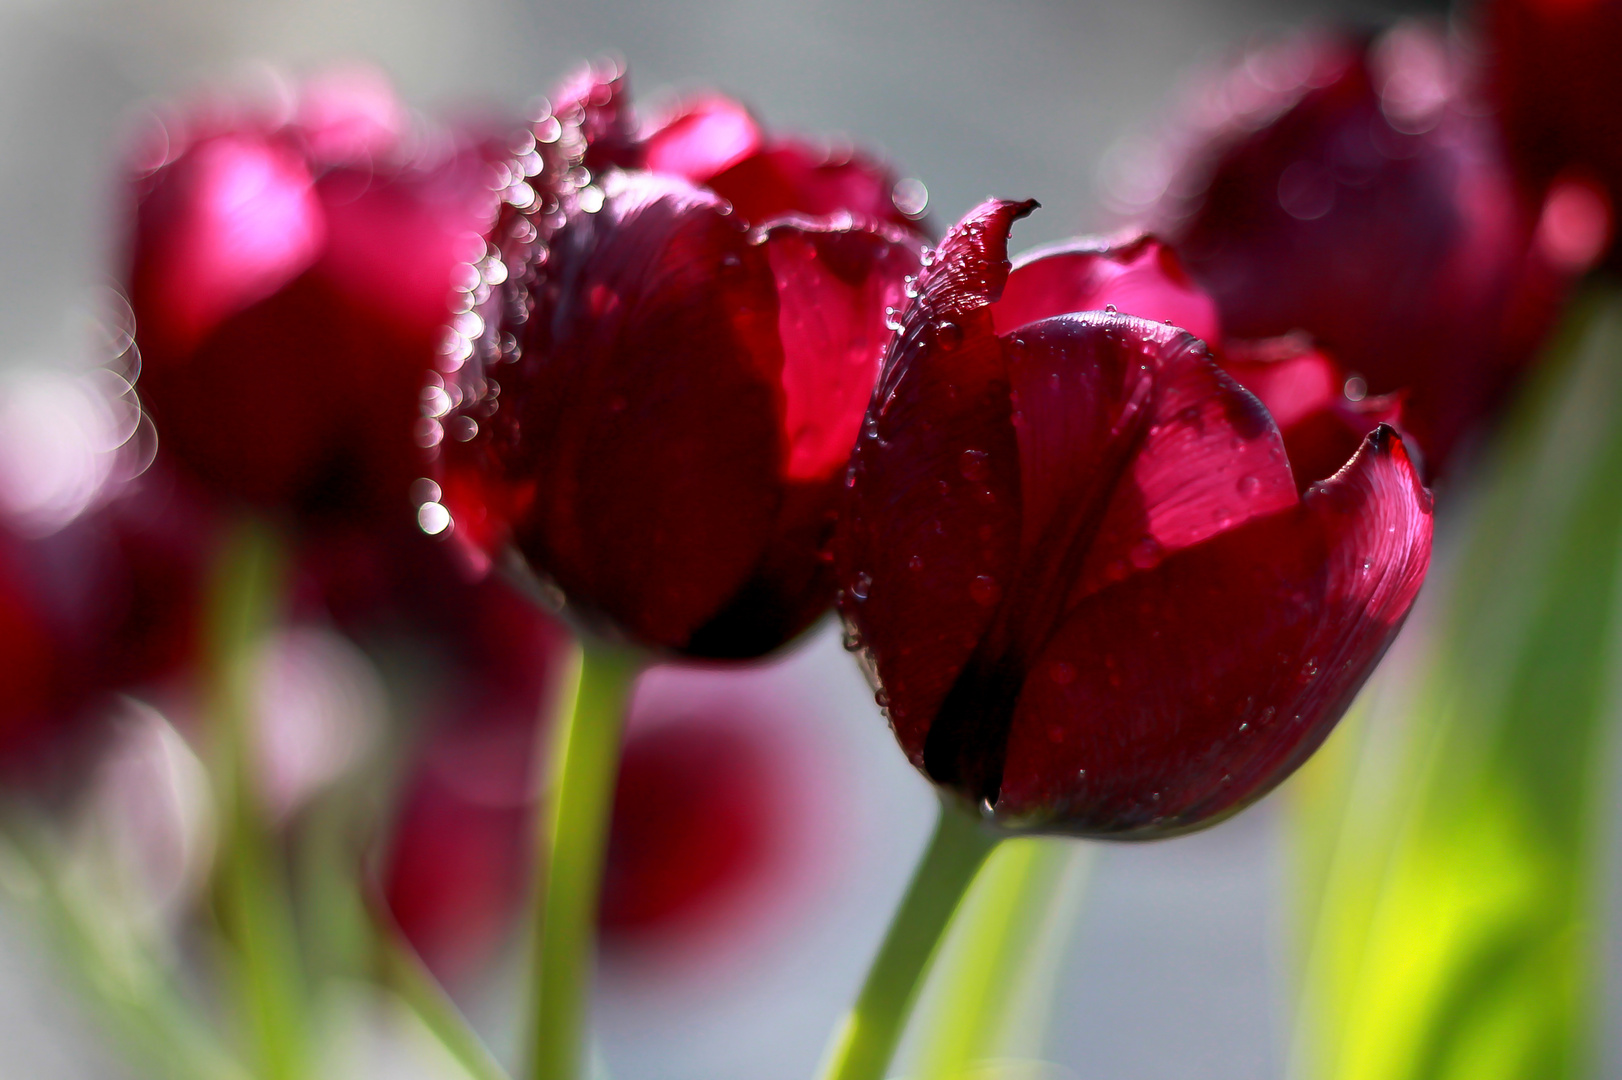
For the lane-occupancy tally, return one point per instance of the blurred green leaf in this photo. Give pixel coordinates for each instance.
(1450, 834)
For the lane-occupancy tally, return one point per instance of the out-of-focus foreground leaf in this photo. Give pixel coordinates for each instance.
(1451, 834)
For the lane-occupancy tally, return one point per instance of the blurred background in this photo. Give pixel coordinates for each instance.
(1179, 965)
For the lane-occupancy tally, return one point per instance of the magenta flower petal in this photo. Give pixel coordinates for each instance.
(222, 226)
(649, 414)
(1183, 694)
(835, 284)
(707, 136)
(1306, 392)
(1140, 276)
(933, 522)
(290, 286)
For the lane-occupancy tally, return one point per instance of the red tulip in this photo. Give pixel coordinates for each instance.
(1303, 389)
(1356, 192)
(702, 819)
(108, 603)
(1558, 88)
(290, 279)
(678, 396)
(1079, 571)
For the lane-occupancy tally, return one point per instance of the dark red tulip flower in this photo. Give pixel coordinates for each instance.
(1558, 89)
(290, 274)
(107, 603)
(1355, 191)
(1322, 415)
(679, 387)
(1078, 569)
(703, 818)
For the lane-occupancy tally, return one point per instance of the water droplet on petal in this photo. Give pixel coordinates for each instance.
(948, 334)
(860, 585)
(915, 563)
(984, 590)
(1145, 554)
(1249, 485)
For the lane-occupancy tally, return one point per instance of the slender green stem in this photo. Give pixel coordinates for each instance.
(254, 908)
(993, 984)
(573, 835)
(132, 990)
(405, 973)
(866, 1040)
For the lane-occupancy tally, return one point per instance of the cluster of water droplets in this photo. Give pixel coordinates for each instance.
(538, 181)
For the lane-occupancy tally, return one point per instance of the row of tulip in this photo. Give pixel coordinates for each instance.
(1117, 528)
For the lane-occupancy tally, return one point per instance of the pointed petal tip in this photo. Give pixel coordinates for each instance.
(1383, 448)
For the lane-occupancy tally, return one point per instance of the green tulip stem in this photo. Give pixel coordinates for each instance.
(251, 887)
(994, 982)
(572, 838)
(867, 1037)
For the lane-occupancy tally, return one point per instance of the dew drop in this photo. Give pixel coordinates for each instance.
(1109, 309)
(852, 639)
(860, 584)
(1249, 485)
(882, 699)
(974, 466)
(948, 334)
(984, 590)
(1145, 554)
(915, 563)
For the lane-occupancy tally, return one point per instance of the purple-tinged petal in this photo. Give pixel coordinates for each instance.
(1181, 695)
(932, 525)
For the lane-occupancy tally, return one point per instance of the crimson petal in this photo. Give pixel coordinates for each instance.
(933, 520)
(706, 136)
(1140, 276)
(1183, 694)
(1306, 393)
(648, 402)
(790, 177)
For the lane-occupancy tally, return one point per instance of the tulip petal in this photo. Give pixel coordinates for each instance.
(932, 527)
(1305, 391)
(649, 404)
(1208, 458)
(706, 136)
(1141, 277)
(227, 224)
(789, 177)
(834, 284)
(1185, 693)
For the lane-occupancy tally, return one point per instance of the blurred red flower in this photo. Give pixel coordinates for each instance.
(1558, 88)
(109, 602)
(702, 820)
(1077, 567)
(679, 385)
(1355, 190)
(291, 271)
